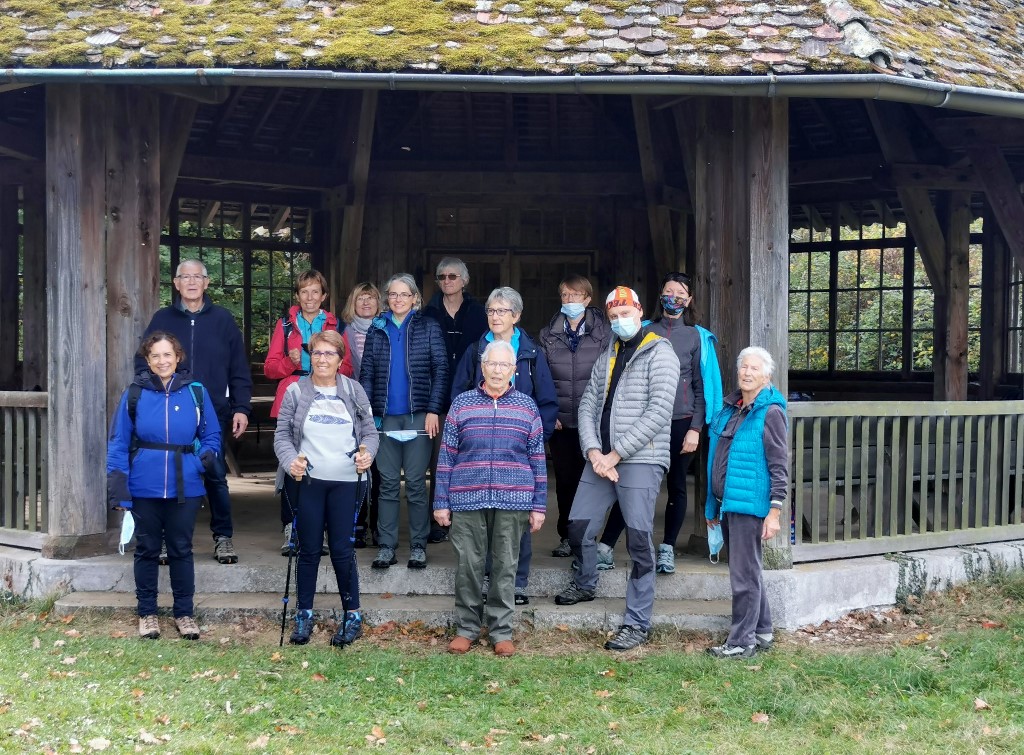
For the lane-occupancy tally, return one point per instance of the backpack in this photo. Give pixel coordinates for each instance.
(287, 327)
(198, 396)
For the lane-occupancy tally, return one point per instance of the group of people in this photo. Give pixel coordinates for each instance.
(396, 388)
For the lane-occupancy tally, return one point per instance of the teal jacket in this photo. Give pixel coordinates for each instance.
(710, 374)
(747, 481)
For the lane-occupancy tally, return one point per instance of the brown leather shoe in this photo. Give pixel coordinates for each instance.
(460, 645)
(504, 649)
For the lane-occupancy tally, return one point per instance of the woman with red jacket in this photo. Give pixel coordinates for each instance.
(288, 355)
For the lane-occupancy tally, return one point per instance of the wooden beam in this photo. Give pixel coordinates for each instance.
(207, 95)
(892, 130)
(21, 172)
(215, 192)
(658, 217)
(686, 129)
(176, 116)
(9, 315)
(847, 216)
(21, 143)
(817, 222)
(937, 177)
(885, 214)
(675, 199)
(279, 219)
(272, 175)
(958, 278)
(607, 183)
(350, 235)
(208, 212)
(979, 131)
(835, 169)
(34, 329)
(1003, 194)
(995, 269)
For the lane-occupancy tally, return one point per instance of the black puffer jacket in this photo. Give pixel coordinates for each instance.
(426, 362)
(570, 370)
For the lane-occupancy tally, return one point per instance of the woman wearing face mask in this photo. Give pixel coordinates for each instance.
(698, 397)
(572, 342)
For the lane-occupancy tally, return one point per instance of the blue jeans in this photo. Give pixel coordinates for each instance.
(164, 520)
(330, 505)
(216, 482)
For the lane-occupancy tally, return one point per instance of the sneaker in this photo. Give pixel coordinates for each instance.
(224, 550)
(385, 558)
(437, 535)
(187, 627)
(460, 645)
(163, 558)
(417, 557)
(573, 594)
(563, 550)
(149, 627)
(289, 549)
(627, 638)
(522, 599)
(504, 649)
(303, 627)
(733, 651)
(605, 557)
(764, 641)
(350, 629)
(666, 559)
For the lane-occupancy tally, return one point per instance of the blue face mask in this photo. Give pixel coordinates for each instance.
(127, 531)
(573, 309)
(625, 328)
(715, 542)
(402, 436)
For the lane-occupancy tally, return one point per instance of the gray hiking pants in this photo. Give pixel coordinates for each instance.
(750, 612)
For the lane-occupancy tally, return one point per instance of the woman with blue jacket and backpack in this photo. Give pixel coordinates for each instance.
(163, 435)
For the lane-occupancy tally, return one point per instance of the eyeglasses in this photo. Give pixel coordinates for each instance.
(572, 296)
(503, 366)
(448, 276)
(368, 299)
(491, 311)
(190, 278)
(399, 295)
(323, 354)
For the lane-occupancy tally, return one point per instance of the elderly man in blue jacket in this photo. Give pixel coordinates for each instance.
(215, 355)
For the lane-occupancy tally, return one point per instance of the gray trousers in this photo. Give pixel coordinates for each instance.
(750, 612)
(473, 535)
(392, 457)
(636, 491)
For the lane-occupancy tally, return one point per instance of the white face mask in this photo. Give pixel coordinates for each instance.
(715, 542)
(127, 531)
(402, 436)
(625, 327)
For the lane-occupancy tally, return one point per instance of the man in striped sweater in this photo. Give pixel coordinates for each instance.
(491, 485)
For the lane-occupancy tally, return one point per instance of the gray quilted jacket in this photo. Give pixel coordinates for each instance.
(641, 420)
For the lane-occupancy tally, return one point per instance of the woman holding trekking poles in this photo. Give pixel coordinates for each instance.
(325, 442)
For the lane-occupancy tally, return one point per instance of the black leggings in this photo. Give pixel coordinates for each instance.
(675, 511)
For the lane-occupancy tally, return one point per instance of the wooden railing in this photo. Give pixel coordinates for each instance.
(24, 507)
(876, 477)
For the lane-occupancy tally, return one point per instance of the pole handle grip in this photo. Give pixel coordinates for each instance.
(299, 477)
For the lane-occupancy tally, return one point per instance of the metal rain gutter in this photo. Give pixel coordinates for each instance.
(832, 86)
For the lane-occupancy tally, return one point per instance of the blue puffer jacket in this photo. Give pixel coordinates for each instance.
(533, 377)
(162, 416)
(426, 361)
(747, 480)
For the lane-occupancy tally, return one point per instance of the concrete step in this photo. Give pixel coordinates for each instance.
(432, 610)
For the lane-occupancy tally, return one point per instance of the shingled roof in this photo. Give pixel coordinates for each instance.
(963, 42)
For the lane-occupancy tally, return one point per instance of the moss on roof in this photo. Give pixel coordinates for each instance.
(976, 42)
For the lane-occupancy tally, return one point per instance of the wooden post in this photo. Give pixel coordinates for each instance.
(133, 196)
(176, 115)
(9, 232)
(658, 216)
(958, 240)
(76, 304)
(34, 328)
(994, 271)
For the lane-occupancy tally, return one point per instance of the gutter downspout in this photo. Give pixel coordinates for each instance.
(829, 86)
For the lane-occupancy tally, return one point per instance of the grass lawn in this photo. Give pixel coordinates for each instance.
(943, 676)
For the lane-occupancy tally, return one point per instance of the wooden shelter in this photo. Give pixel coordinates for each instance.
(532, 139)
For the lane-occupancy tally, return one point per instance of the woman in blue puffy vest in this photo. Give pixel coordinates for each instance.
(162, 436)
(748, 482)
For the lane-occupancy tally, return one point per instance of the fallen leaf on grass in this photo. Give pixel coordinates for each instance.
(602, 693)
(980, 704)
(562, 627)
(288, 729)
(607, 672)
(989, 624)
(67, 619)
(400, 680)
(260, 742)
(760, 718)
(318, 677)
(681, 709)
(275, 657)
(137, 693)
(753, 668)
(387, 595)
(69, 660)
(118, 634)
(148, 739)
(73, 633)
(98, 743)
(376, 736)
(163, 719)
(613, 725)
(421, 705)
(493, 687)
(36, 643)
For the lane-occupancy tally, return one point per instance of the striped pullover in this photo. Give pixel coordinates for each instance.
(492, 454)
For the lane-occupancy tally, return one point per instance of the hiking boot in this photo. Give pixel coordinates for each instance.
(224, 550)
(605, 557)
(303, 627)
(627, 638)
(350, 629)
(187, 627)
(385, 558)
(573, 594)
(359, 540)
(417, 557)
(289, 549)
(733, 651)
(460, 645)
(563, 550)
(764, 641)
(437, 535)
(666, 559)
(522, 599)
(149, 627)
(163, 559)
(504, 649)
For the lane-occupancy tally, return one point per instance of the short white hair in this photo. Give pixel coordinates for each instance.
(493, 345)
(762, 354)
(407, 279)
(198, 263)
(454, 263)
(508, 296)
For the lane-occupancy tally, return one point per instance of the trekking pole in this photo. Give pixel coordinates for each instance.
(291, 550)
